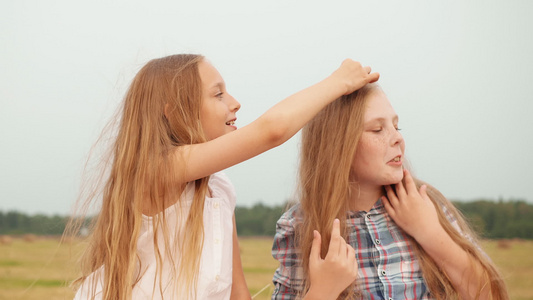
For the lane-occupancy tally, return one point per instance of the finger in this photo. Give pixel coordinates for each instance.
(410, 184)
(424, 192)
(335, 242)
(373, 77)
(400, 189)
(348, 251)
(388, 207)
(392, 198)
(336, 229)
(367, 69)
(315, 247)
(342, 247)
(352, 262)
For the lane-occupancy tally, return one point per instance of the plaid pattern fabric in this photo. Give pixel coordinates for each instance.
(388, 267)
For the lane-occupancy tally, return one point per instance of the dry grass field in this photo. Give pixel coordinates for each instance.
(40, 268)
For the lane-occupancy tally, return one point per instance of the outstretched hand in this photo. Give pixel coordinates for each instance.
(412, 209)
(330, 276)
(354, 75)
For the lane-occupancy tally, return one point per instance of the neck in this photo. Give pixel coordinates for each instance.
(363, 197)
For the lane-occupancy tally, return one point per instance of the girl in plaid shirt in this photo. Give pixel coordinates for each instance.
(409, 240)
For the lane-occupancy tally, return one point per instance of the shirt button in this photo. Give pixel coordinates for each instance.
(217, 241)
(378, 242)
(368, 216)
(390, 298)
(215, 205)
(217, 278)
(383, 273)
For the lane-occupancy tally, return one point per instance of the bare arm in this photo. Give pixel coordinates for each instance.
(239, 289)
(275, 126)
(414, 212)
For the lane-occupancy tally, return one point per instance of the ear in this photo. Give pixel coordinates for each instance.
(166, 110)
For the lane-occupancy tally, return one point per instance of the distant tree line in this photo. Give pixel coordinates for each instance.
(258, 220)
(16, 223)
(490, 219)
(495, 220)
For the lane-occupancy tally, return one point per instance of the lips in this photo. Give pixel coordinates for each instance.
(231, 122)
(397, 159)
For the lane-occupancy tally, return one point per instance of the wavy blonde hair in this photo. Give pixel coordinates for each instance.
(329, 143)
(161, 111)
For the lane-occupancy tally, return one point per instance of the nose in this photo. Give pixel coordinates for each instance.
(234, 104)
(396, 138)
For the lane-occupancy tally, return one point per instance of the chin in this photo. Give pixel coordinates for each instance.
(396, 179)
(394, 182)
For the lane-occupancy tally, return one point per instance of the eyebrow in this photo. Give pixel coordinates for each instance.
(380, 119)
(219, 84)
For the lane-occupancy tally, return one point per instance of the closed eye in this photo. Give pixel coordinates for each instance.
(396, 125)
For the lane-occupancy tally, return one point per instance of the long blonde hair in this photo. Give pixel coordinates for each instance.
(329, 143)
(161, 111)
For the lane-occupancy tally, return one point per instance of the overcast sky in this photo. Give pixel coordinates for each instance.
(459, 75)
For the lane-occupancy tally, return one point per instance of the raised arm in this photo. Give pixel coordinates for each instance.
(275, 126)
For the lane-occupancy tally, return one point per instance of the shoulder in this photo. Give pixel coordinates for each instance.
(221, 186)
(288, 221)
(288, 276)
(285, 233)
(220, 179)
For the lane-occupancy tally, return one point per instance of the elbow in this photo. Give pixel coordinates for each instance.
(275, 130)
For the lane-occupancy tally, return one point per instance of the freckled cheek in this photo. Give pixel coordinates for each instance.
(377, 145)
(368, 151)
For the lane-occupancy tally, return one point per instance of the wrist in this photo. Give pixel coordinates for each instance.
(319, 294)
(429, 234)
(336, 85)
(435, 241)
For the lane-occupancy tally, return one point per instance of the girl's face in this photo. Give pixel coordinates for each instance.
(379, 156)
(218, 108)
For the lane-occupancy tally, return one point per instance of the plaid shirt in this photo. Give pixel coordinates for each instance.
(388, 267)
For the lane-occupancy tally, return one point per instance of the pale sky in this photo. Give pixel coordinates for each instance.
(459, 75)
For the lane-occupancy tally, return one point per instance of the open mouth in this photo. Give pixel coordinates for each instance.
(396, 159)
(231, 123)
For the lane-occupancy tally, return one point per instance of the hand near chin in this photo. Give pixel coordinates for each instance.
(411, 208)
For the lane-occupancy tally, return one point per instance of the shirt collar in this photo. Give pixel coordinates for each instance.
(376, 209)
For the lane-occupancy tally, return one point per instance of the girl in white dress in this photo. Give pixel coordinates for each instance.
(166, 227)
